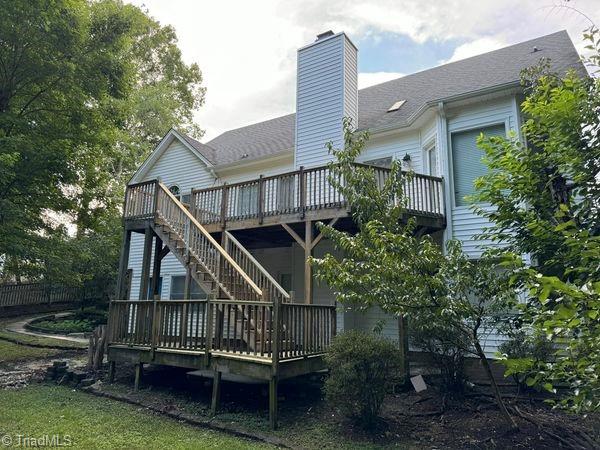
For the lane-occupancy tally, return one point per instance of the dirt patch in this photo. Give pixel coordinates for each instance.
(18, 374)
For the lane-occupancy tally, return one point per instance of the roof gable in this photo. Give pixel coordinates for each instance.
(162, 147)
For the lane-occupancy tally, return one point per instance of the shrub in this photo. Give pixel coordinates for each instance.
(363, 369)
(446, 347)
(520, 350)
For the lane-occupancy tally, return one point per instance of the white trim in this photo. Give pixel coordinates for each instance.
(445, 163)
(158, 151)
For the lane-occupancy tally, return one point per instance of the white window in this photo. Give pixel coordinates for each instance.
(432, 159)
(247, 200)
(380, 162)
(178, 288)
(286, 193)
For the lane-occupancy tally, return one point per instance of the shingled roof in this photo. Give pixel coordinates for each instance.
(476, 74)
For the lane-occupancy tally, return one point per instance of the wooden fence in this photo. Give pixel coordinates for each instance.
(14, 295)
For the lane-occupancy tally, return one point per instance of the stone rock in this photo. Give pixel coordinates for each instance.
(86, 382)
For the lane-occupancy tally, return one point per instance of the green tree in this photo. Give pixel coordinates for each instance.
(545, 195)
(386, 263)
(87, 88)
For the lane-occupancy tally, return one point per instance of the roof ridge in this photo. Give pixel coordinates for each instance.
(404, 77)
(253, 124)
(450, 63)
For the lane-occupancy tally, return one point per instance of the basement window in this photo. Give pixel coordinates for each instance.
(396, 106)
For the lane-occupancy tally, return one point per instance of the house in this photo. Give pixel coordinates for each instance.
(221, 231)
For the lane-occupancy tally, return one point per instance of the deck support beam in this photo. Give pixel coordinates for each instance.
(156, 269)
(139, 371)
(111, 371)
(187, 295)
(148, 235)
(403, 347)
(123, 263)
(308, 247)
(164, 252)
(307, 244)
(216, 392)
(273, 413)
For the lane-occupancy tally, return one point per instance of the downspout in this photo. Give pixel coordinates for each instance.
(445, 159)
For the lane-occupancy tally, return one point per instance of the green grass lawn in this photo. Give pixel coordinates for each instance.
(93, 422)
(10, 352)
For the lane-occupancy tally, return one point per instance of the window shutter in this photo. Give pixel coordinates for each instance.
(467, 164)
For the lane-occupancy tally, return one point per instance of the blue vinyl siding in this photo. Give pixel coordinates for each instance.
(467, 160)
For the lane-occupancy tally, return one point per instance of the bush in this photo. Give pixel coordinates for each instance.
(446, 347)
(520, 350)
(79, 322)
(363, 369)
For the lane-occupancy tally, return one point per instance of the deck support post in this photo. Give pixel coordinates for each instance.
(273, 402)
(308, 284)
(307, 244)
(123, 263)
(148, 234)
(111, 371)
(139, 371)
(187, 290)
(275, 362)
(403, 347)
(216, 392)
(156, 268)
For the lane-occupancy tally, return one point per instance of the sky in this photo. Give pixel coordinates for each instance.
(246, 49)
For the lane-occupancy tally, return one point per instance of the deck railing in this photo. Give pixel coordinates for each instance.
(273, 331)
(301, 191)
(249, 264)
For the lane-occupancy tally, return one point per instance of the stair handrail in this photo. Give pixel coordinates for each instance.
(259, 266)
(215, 244)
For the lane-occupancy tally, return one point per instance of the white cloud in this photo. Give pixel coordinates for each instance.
(247, 49)
(366, 79)
(476, 47)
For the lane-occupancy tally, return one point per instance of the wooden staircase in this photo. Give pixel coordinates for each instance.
(236, 275)
(229, 271)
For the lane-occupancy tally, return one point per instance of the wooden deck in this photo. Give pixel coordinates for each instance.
(269, 341)
(249, 325)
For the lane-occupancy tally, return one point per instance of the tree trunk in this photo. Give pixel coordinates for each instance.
(494, 386)
(97, 347)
